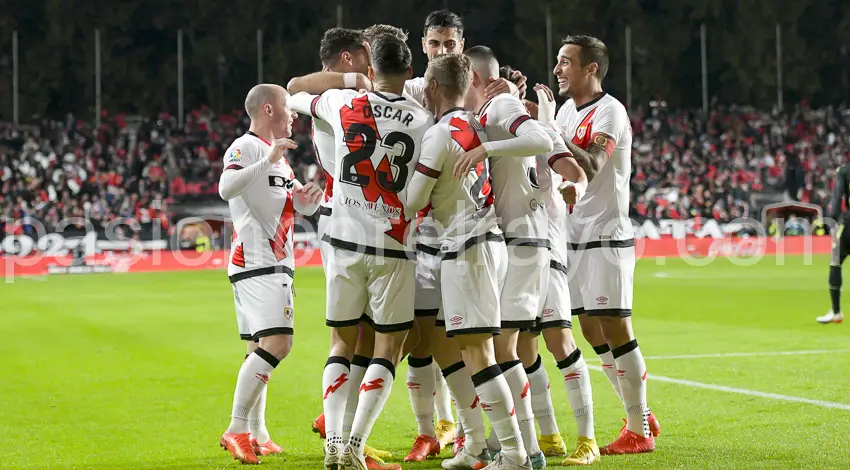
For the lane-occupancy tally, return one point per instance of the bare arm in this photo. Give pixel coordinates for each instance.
(320, 82)
(590, 160)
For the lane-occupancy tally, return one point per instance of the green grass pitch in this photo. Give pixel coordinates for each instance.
(137, 371)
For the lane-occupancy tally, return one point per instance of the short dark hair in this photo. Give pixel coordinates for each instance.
(390, 55)
(483, 55)
(592, 50)
(337, 40)
(372, 32)
(443, 19)
(453, 73)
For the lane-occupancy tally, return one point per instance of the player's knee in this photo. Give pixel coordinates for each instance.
(835, 278)
(616, 330)
(559, 342)
(527, 348)
(278, 346)
(591, 330)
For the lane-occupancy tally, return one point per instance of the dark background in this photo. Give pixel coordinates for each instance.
(139, 51)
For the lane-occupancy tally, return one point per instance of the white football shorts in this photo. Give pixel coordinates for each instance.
(472, 284)
(428, 299)
(525, 286)
(380, 286)
(602, 279)
(264, 306)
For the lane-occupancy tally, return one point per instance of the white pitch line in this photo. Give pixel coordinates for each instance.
(748, 354)
(743, 391)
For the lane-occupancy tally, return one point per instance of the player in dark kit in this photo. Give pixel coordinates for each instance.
(840, 243)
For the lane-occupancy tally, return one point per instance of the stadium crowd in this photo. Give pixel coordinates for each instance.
(685, 164)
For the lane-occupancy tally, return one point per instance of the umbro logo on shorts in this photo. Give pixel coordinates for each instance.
(602, 300)
(456, 320)
(547, 312)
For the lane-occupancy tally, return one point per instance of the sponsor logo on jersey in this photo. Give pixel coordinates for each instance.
(376, 208)
(602, 300)
(456, 320)
(235, 156)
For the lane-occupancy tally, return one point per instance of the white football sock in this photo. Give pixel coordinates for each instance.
(606, 358)
(577, 381)
(631, 372)
(421, 389)
(335, 384)
(442, 398)
(469, 412)
(252, 379)
(541, 399)
(521, 394)
(495, 399)
(359, 364)
(257, 419)
(374, 391)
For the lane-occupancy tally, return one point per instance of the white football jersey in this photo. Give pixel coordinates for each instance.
(462, 208)
(263, 214)
(556, 208)
(602, 214)
(426, 231)
(415, 88)
(518, 200)
(377, 144)
(324, 146)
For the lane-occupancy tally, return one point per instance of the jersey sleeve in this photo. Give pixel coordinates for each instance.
(432, 156)
(529, 136)
(241, 154)
(559, 147)
(608, 127)
(416, 89)
(324, 107)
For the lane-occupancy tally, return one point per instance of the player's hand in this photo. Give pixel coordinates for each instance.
(520, 81)
(499, 86)
(532, 108)
(279, 146)
(546, 104)
(569, 191)
(309, 193)
(468, 161)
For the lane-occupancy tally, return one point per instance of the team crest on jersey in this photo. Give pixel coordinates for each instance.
(235, 156)
(581, 131)
(288, 313)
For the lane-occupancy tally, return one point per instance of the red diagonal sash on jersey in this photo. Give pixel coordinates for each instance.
(464, 134)
(360, 112)
(284, 226)
(583, 131)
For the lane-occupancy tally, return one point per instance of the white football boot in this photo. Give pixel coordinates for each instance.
(831, 317)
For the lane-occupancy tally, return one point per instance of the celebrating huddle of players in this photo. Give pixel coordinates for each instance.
(459, 223)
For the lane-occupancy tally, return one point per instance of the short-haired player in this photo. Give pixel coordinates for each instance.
(263, 194)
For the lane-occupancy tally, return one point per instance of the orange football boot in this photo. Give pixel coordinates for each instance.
(373, 464)
(423, 447)
(459, 442)
(239, 446)
(266, 448)
(654, 425)
(319, 425)
(629, 443)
